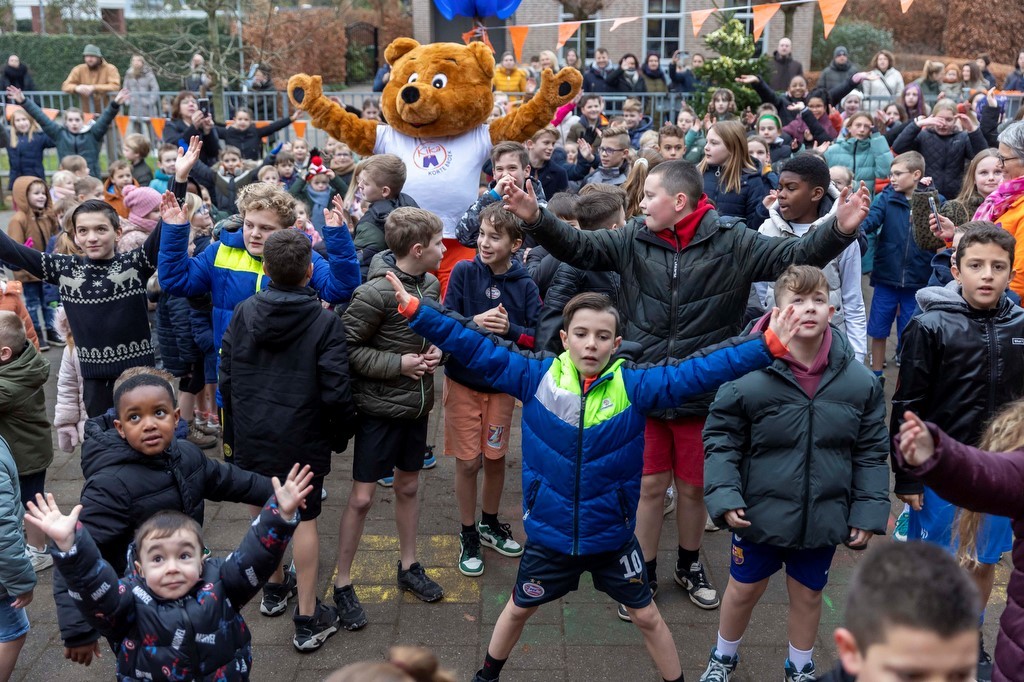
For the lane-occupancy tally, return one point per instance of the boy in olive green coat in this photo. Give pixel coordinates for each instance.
(796, 463)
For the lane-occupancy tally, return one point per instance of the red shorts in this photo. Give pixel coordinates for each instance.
(675, 445)
(454, 252)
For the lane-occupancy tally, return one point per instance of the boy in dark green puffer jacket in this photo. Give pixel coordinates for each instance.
(795, 464)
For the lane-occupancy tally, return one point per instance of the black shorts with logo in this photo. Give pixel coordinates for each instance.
(546, 575)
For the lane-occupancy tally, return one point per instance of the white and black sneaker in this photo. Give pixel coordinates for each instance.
(275, 595)
(312, 631)
(695, 582)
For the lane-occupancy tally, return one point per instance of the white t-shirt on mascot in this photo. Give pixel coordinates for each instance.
(442, 173)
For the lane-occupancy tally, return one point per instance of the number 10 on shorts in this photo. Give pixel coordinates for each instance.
(632, 564)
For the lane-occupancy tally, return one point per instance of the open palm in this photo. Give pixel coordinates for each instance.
(45, 515)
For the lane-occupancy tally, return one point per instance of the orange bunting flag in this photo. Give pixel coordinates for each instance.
(158, 125)
(518, 35)
(122, 124)
(905, 5)
(620, 21)
(698, 17)
(88, 117)
(830, 11)
(51, 113)
(566, 30)
(10, 109)
(468, 36)
(762, 15)
(300, 128)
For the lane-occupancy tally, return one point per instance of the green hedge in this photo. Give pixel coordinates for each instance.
(51, 57)
(862, 39)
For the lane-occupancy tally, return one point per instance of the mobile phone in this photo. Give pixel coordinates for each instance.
(935, 211)
(204, 105)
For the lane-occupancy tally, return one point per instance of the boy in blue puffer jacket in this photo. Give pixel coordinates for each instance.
(583, 437)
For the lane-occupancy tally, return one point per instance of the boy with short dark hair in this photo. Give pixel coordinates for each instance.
(636, 123)
(582, 442)
(805, 200)
(166, 156)
(284, 379)
(543, 168)
(393, 387)
(135, 150)
(671, 142)
(685, 279)
(961, 362)
(284, 161)
(496, 292)
(911, 613)
(381, 179)
(790, 495)
(901, 267)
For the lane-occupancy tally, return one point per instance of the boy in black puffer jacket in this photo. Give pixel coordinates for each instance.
(177, 617)
(127, 480)
(284, 379)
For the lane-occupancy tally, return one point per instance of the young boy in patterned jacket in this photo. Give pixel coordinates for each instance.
(583, 435)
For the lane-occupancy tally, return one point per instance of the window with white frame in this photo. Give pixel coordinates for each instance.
(662, 30)
(575, 43)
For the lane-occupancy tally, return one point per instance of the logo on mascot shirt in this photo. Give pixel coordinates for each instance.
(432, 157)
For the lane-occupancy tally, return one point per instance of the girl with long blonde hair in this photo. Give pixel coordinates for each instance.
(732, 180)
(646, 159)
(25, 143)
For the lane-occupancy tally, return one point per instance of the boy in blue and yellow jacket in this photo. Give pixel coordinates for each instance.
(583, 437)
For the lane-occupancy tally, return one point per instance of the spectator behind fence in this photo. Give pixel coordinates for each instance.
(187, 120)
(141, 82)
(197, 80)
(25, 142)
(784, 67)
(15, 73)
(93, 80)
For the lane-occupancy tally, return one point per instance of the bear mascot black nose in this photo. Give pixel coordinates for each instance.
(410, 94)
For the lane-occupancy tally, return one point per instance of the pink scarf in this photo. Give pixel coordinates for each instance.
(997, 203)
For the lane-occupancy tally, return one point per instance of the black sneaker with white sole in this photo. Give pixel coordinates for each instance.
(415, 580)
(275, 595)
(695, 582)
(312, 631)
(350, 612)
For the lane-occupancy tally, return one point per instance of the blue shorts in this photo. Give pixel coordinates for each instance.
(13, 622)
(753, 562)
(885, 303)
(935, 524)
(546, 575)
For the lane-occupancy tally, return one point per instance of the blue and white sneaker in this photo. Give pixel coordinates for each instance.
(899, 532)
(719, 667)
(429, 461)
(807, 674)
(387, 481)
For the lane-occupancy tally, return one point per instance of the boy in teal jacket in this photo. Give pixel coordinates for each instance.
(583, 437)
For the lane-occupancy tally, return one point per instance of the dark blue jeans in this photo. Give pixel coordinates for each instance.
(33, 292)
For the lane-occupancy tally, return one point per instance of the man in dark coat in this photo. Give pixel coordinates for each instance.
(784, 67)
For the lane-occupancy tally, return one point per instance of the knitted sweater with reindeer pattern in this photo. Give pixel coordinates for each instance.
(105, 301)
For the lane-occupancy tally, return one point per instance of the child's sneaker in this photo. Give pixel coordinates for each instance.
(275, 595)
(350, 612)
(200, 438)
(415, 580)
(695, 582)
(40, 558)
(808, 674)
(710, 527)
(985, 666)
(499, 538)
(208, 424)
(470, 562)
(899, 533)
(670, 501)
(429, 461)
(323, 494)
(719, 667)
(623, 614)
(387, 481)
(312, 631)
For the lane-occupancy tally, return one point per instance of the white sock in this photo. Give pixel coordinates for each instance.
(725, 648)
(799, 658)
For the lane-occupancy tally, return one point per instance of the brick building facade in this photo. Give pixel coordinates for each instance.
(660, 27)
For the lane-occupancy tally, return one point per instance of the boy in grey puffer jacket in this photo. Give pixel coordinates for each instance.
(17, 579)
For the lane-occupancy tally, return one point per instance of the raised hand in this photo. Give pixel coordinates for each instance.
(967, 122)
(784, 323)
(585, 149)
(522, 204)
(292, 493)
(747, 79)
(915, 440)
(123, 95)
(736, 518)
(853, 209)
(402, 297)
(15, 95)
(170, 212)
(45, 515)
(187, 159)
(773, 195)
(335, 215)
(796, 106)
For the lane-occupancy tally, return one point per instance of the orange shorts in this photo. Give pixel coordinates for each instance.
(453, 253)
(675, 445)
(476, 422)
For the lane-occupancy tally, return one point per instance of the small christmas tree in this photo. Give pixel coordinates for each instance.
(735, 48)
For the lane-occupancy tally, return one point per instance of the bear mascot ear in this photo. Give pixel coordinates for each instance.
(398, 48)
(484, 58)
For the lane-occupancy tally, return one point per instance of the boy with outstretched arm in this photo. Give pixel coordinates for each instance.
(178, 615)
(582, 453)
(796, 464)
(686, 274)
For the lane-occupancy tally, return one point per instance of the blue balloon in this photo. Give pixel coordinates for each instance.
(502, 9)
